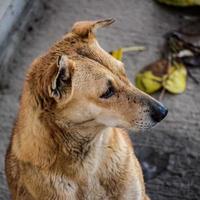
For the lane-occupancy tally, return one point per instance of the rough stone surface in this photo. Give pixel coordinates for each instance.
(170, 152)
(14, 17)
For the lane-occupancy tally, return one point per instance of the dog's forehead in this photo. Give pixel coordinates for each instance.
(89, 68)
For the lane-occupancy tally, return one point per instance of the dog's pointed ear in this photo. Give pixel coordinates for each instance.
(85, 28)
(62, 81)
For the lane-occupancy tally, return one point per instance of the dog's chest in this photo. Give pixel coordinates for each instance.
(65, 188)
(88, 189)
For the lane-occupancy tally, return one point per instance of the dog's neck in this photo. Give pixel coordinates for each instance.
(50, 143)
(77, 141)
(79, 148)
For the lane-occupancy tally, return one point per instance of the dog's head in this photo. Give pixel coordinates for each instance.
(89, 85)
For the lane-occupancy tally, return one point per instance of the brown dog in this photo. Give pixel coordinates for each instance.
(67, 142)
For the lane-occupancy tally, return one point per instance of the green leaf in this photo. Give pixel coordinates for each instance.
(175, 80)
(181, 2)
(148, 82)
(117, 54)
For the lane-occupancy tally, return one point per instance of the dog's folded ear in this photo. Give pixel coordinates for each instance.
(62, 81)
(86, 28)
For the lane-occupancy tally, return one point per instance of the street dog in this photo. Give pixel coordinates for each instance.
(69, 139)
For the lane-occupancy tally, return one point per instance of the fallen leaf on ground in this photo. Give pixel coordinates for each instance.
(160, 74)
(118, 53)
(175, 80)
(181, 2)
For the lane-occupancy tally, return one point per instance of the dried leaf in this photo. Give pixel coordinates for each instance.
(117, 54)
(181, 2)
(175, 80)
(160, 74)
(177, 42)
(158, 68)
(186, 52)
(191, 61)
(148, 82)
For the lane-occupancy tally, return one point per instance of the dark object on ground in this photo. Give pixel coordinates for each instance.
(153, 162)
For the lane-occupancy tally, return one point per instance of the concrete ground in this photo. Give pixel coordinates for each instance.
(170, 152)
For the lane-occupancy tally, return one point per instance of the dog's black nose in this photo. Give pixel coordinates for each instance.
(158, 111)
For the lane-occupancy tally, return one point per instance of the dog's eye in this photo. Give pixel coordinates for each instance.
(109, 92)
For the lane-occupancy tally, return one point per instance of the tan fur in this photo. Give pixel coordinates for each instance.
(68, 143)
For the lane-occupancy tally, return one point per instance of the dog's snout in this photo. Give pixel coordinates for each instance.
(158, 111)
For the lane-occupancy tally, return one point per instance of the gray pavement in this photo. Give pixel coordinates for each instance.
(170, 152)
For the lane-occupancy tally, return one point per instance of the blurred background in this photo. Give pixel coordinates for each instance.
(170, 152)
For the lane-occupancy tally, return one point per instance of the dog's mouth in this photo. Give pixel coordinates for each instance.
(157, 113)
(145, 125)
